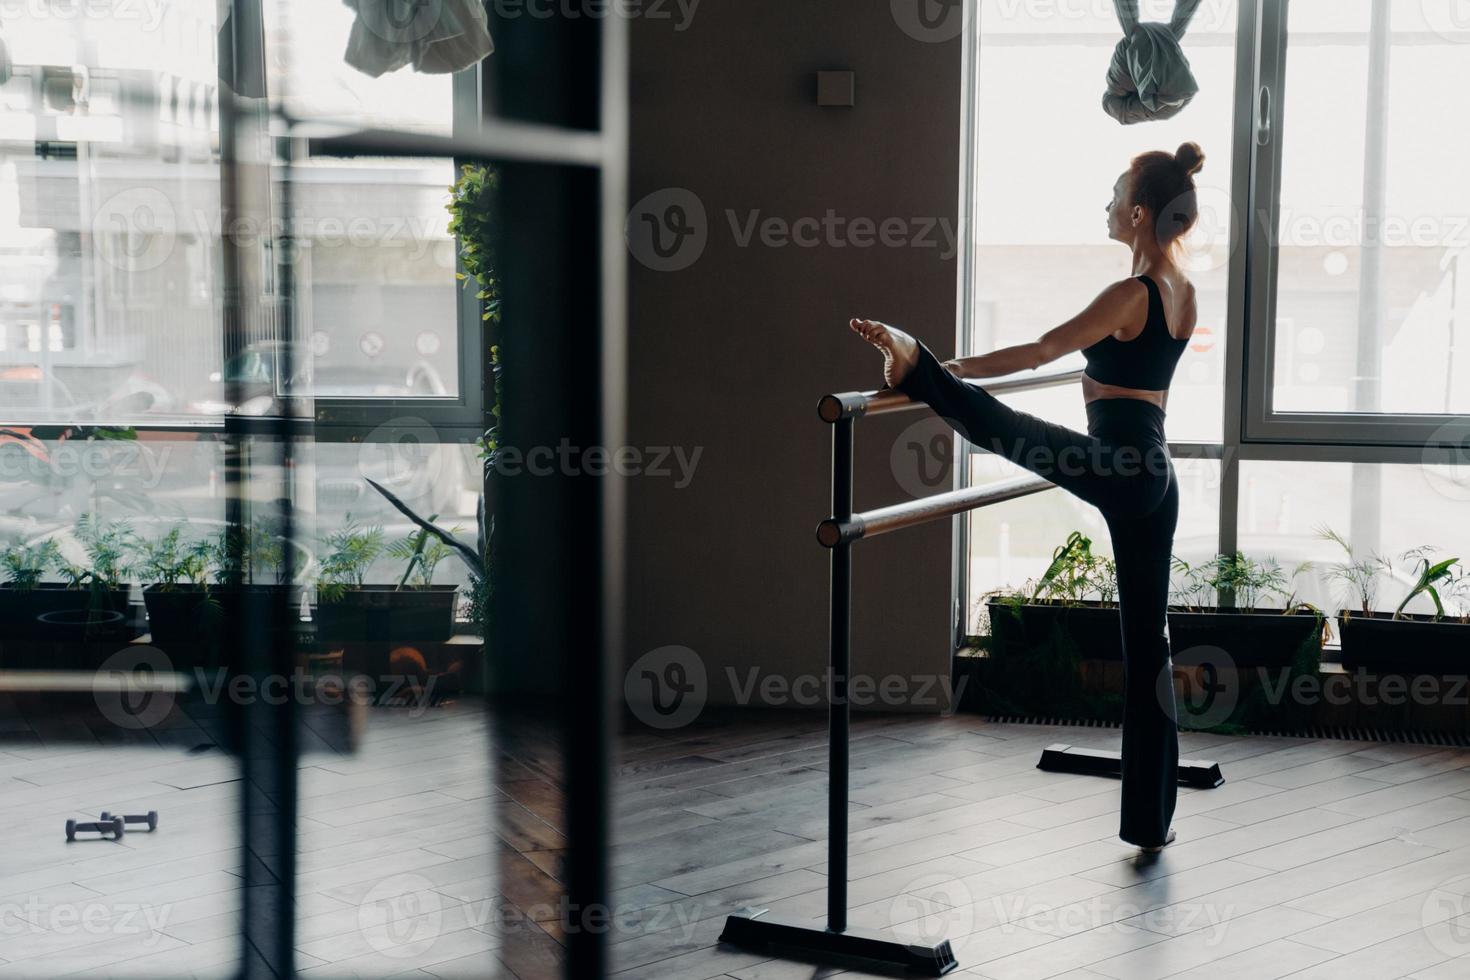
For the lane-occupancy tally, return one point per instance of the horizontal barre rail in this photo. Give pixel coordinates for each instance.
(895, 517)
(851, 404)
(87, 682)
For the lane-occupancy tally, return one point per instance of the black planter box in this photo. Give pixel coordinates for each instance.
(1093, 627)
(1251, 639)
(51, 611)
(1411, 644)
(387, 614)
(190, 623)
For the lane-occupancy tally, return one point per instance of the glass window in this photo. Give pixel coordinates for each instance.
(109, 213)
(1014, 541)
(376, 302)
(1283, 504)
(308, 47)
(1373, 228)
(1044, 170)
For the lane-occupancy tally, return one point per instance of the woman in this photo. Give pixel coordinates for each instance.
(1131, 335)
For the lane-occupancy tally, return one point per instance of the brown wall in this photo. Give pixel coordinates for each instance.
(729, 355)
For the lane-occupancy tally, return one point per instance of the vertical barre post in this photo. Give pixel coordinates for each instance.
(837, 711)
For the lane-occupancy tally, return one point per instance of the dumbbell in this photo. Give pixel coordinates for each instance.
(112, 825)
(150, 818)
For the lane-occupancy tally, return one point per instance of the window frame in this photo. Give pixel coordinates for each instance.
(1260, 185)
(455, 419)
(1250, 430)
(458, 418)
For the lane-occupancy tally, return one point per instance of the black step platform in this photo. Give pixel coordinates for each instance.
(748, 930)
(1196, 773)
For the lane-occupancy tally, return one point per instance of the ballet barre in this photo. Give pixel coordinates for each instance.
(838, 943)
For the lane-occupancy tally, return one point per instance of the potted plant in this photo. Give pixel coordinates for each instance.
(184, 615)
(475, 558)
(92, 601)
(23, 567)
(1059, 603)
(1250, 633)
(1403, 642)
(412, 609)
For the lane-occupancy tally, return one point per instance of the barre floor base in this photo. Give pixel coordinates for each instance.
(855, 947)
(1196, 773)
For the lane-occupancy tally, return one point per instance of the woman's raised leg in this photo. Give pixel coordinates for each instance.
(1077, 462)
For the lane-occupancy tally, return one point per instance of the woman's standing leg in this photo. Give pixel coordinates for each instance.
(1142, 547)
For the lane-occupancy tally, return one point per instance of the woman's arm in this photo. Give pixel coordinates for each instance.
(1122, 303)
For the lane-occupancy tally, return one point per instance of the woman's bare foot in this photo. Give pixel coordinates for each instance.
(1167, 840)
(900, 351)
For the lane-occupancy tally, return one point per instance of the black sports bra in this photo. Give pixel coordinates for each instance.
(1147, 361)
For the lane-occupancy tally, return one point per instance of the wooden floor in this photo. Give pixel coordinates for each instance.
(1315, 859)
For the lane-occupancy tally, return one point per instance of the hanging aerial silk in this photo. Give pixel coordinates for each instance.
(1149, 77)
(435, 38)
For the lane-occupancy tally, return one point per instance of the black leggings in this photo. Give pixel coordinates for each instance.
(1122, 467)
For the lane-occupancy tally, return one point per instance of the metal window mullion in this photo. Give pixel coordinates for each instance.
(964, 343)
(1245, 249)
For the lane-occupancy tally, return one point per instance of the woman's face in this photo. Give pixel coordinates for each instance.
(1122, 217)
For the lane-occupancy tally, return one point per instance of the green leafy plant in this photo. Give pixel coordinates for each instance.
(471, 220)
(475, 558)
(244, 555)
(25, 565)
(1248, 580)
(348, 553)
(423, 552)
(170, 561)
(471, 206)
(1456, 593)
(1193, 593)
(1359, 576)
(472, 211)
(1426, 575)
(109, 547)
(1075, 573)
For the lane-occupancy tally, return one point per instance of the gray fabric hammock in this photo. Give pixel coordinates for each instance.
(1149, 77)
(436, 38)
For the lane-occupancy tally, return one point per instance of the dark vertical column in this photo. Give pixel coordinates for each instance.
(838, 710)
(260, 642)
(555, 633)
(548, 651)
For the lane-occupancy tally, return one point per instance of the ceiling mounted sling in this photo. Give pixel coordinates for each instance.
(1149, 77)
